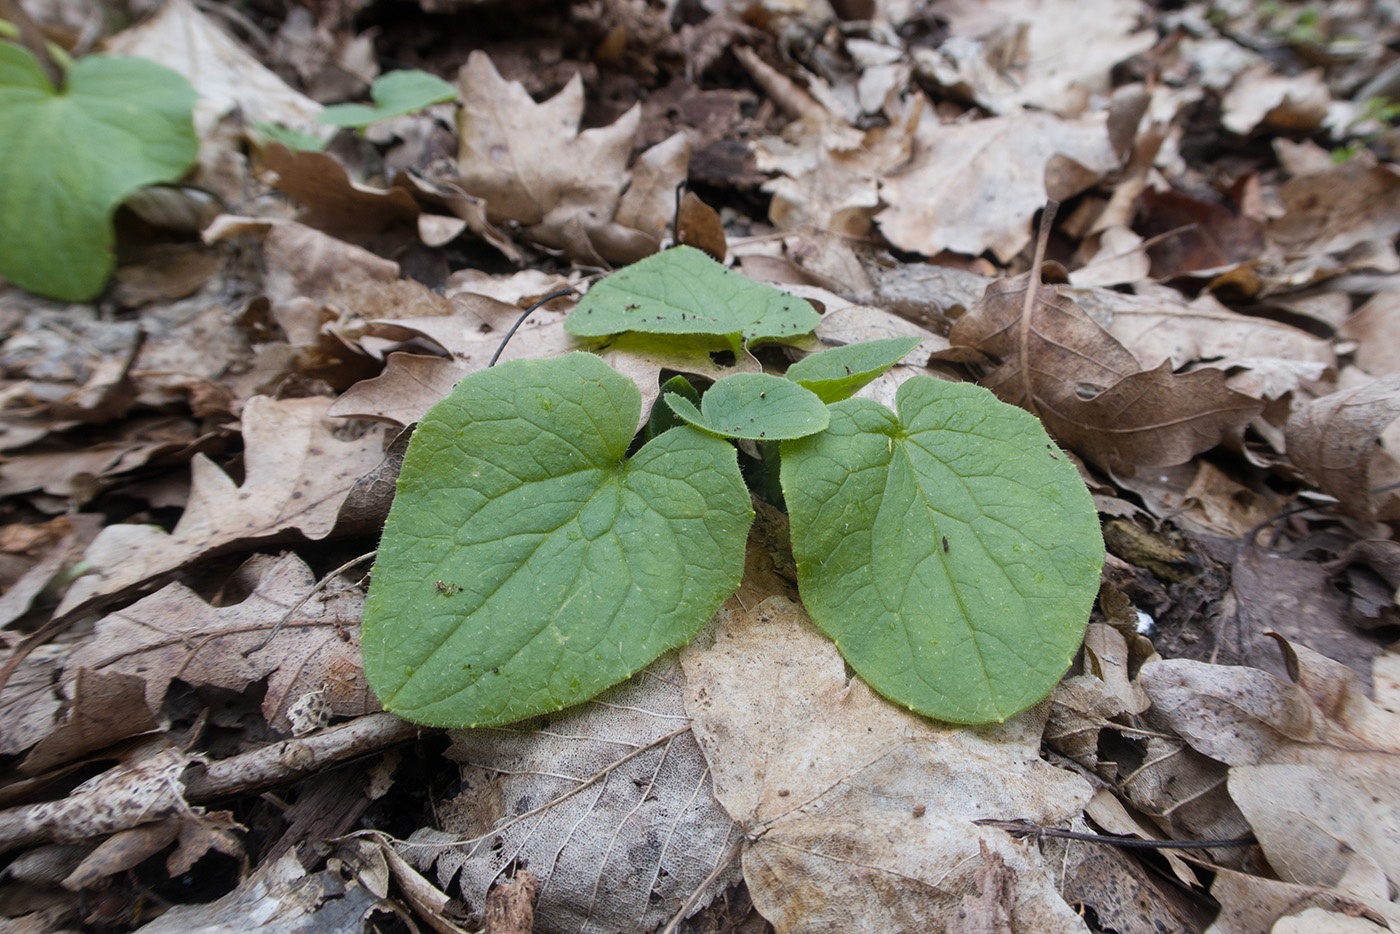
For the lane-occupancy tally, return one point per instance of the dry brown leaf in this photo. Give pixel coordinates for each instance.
(1336, 442)
(975, 186)
(1332, 211)
(858, 814)
(298, 471)
(1375, 327)
(1250, 904)
(1089, 390)
(1051, 54)
(334, 203)
(618, 841)
(102, 710)
(1197, 236)
(175, 634)
(225, 75)
(1311, 762)
(533, 166)
(1261, 97)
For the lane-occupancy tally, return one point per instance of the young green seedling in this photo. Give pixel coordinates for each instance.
(527, 564)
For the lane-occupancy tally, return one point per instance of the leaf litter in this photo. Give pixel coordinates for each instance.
(223, 431)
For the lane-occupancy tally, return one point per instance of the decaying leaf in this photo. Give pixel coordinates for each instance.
(1089, 390)
(1311, 762)
(297, 474)
(867, 840)
(609, 804)
(1336, 442)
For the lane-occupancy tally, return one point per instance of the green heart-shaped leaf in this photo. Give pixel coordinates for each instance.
(526, 564)
(662, 417)
(683, 291)
(952, 552)
(755, 406)
(395, 94)
(68, 158)
(838, 373)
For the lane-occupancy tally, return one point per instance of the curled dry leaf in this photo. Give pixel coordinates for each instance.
(1336, 443)
(1311, 762)
(1089, 390)
(1331, 211)
(298, 472)
(175, 634)
(863, 840)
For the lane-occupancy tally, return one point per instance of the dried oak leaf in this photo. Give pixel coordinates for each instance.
(174, 633)
(1336, 441)
(858, 815)
(1311, 761)
(1334, 210)
(564, 187)
(1089, 390)
(975, 186)
(297, 475)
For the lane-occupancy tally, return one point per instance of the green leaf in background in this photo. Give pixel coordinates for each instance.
(662, 417)
(952, 552)
(68, 158)
(838, 373)
(526, 565)
(683, 291)
(291, 138)
(394, 94)
(755, 406)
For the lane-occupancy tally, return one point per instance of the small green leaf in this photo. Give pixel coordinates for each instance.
(291, 138)
(755, 406)
(68, 158)
(526, 565)
(662, 417)
(395, 94)
(683, 291)
(952, 552)
(838, 373)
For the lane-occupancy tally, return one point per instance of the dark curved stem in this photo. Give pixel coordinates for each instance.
(521, 320)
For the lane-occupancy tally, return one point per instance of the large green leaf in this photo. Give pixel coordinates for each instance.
(756, 406)
(951, 551)
(68, 158)
(683, 291)
(526, 564)
(838, 373)
(395, 94)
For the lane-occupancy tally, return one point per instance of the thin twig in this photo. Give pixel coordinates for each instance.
(1047, 219)
(1023, 828)
(320, 586)
(521, 320)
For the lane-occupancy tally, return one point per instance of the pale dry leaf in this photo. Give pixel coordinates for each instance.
(1089, 390)
(1336, 442)
(1261, 97)
(30, 705)
(975, 186)
(1250, 904)
(858, 813)
(1335, 210)
(1164, 326)
(1311, 762)
(225, 75)
(298, 472)
(103, 708)
(624, 852)
(174, 633)
(1050, 55)
(828, 173)
(1375, 327)
(125, 796)
(533, 165)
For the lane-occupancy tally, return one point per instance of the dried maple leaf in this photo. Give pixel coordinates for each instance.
(1089, 390)
(298, 474)
(174, 633)
(533, 166)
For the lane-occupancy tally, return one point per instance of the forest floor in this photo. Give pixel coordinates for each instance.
(196, 467)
